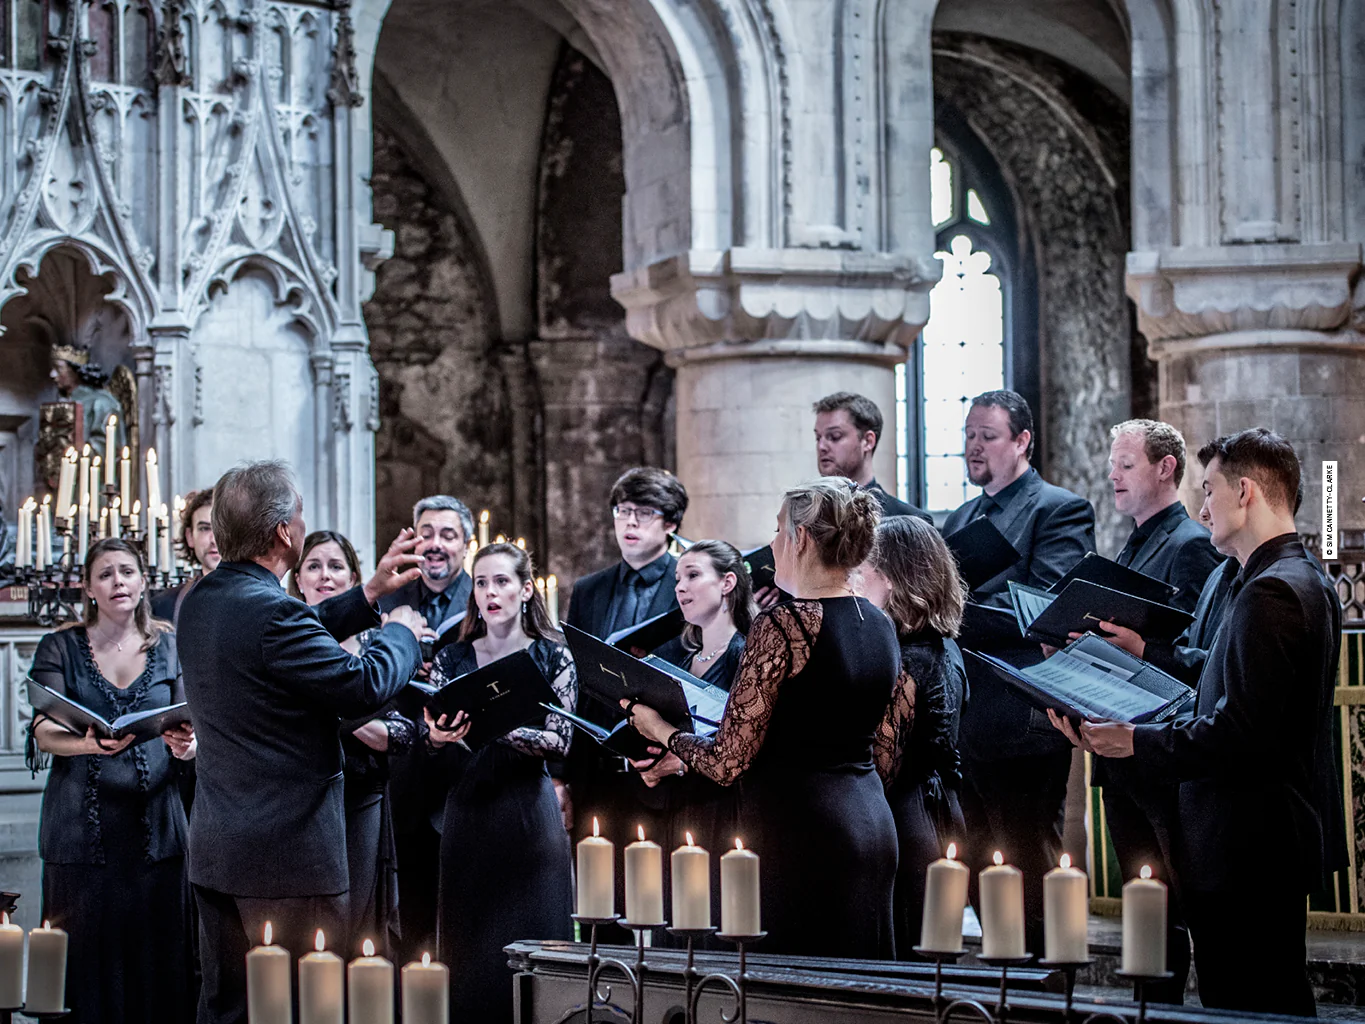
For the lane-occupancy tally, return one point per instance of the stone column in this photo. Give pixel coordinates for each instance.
(756, 336)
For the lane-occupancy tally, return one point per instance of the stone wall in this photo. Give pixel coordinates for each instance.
(1061, 143)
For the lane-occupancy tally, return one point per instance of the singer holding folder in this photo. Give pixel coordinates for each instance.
(505, 859)
(112, 830)
(817, 675)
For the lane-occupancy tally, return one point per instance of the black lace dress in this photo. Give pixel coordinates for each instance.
(112, 841)
(505, 860)
(812, 687)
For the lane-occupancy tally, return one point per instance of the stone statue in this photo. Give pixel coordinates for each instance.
(79, 380)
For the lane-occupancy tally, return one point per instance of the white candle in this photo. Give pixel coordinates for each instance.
(596, 876)
(125, 478)
(135, 520)
(369, 988)
(45, 530)
(321, 982)
(739, 903)
(426, 993)
(268, 978)
(153, 483)
(1066, 898)
(83, 528)
(151, 537)
(104, 523)
(95, 489)
(66, 480)
(116, 518)
(110, 430)
(11, 965)
(46, 988)
(691, 872)
(22, 541)
(552, 597)
(1144, 925)
(165, 535)
(644, 881)
(483, 528)
(1002, 910)
(945, 899)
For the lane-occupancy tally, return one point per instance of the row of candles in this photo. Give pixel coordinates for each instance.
(690, 869)
(331, 990)
(1066, 902)
(44, 988)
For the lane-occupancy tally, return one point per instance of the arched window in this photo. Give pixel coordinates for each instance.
(966, 347)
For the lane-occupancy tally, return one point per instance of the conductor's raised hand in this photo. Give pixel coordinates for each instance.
(401, 564)
(445, 730)
(404, 615)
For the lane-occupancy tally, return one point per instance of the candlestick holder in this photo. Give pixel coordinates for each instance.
(1140, 982)
(1069, 968)
(597, 964)
(1002, 1007)
(939, 957)
(738, 985)
(690, 973)
(7, 1014)
(640, 931)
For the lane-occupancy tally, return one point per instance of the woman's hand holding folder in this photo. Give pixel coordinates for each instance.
(445, 730)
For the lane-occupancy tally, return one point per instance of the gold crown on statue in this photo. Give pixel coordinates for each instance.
(71, 354)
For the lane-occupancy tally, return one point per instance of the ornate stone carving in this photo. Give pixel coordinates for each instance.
(171, 67)
(341, 401)
(163, 405)
(197, 416)
(343, 88)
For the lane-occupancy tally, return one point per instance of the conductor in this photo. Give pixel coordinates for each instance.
(268, 684)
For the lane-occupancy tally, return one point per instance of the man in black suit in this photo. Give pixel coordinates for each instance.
(1146, 465)
(268, 684)
(444, 527)
(1260, 817)
(847, 430)
(1015, 771)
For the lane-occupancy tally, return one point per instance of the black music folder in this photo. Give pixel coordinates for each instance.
(1093, 679)
(499, 697)
(982, 552)
(143, 726)
(763, 570)
(1080, 608)
(985, 625)
(643, 637)
(1095, 568)
(621, 739)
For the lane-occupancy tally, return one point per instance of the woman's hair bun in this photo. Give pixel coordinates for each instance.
(839, 517)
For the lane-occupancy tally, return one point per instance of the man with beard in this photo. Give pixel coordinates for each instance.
(847, 430)
(196, 536)
(444, 526)
(1014, 768)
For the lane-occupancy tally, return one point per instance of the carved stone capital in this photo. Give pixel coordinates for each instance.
(1238, 294)
(704, 305)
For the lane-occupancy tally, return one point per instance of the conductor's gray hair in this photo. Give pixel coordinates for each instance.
(445, 503)
(250, 502)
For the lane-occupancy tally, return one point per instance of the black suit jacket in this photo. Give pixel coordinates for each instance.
(893, 506)
(268, 684)
(590, 600)
(411, 594)
(1180, 553)
(1185, 658)
(1259, 796)
(1052, 529)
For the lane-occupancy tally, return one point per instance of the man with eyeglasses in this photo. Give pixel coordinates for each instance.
(647, 506)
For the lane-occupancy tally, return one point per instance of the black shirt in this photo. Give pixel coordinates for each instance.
(634, 591)
(1142, 532)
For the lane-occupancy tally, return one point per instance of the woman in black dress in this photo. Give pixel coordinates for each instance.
(112, 831)
(329, 566)
(813, 686)
(505, 860)
(912, 576)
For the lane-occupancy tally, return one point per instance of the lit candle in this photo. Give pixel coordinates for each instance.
(1002, 910)
(110, 430)
(95, 489)
(540, 588)
(268, 971)
(644, 881)
(104, 523)
(552, 598)
(596, 876)
(321, 982)
(66, 480)
(83, 528)
(153, 483)
(45, 531)
(125, 478)
(11, 964)
(369, 988)
(483, 528)
(739, 913)
(116, 518)
(1144, 925)
(500, 538)
(135, 520)
(1066, 908)
(66, 537)
(46, 988)
(521, 543)
(151, 537)
(83, 477)
(21, 542)
(691, 871)
(165, 535)
(945, 899)
(426, 993)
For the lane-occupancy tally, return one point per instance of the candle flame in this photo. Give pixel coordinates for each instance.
(151, 456)
(319, 943)
(368, 948)
(137, 507)
(689, 840)
(126, 452)
(500, 539)
(426, 959)
(269, 933)
(952, 851)
(1146, 872)
(1066, 860)
(47, 499)
(85, 451)
(71, 453)
(640, 831)
(521, 543)
(739, 843)
(47, 924)
(595, 831)
(71, 512)
(999, 858)
(552, 581)
(483, 516)
(111, 421)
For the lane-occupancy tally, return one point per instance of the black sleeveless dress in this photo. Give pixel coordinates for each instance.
(811, 804)
(505, 860)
